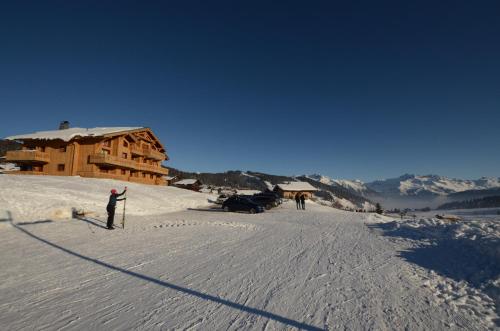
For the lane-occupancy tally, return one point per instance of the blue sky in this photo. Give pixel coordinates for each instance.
(348, 89)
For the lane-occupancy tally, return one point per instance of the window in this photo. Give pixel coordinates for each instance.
(60, 167)
(144, 175)
(124, 155)
(124, 172)
(62, 149)
(125, 144)
(107, 143)
(151, 176)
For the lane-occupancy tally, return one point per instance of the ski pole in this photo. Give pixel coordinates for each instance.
(124, 204)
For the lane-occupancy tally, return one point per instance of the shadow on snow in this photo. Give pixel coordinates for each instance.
(461, 259)
(234, 305)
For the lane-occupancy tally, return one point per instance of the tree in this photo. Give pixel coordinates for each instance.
(378, 208)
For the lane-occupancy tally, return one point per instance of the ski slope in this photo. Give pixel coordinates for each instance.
(202, 269)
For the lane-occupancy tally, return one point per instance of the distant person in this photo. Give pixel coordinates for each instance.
(303, 201)
(110, 208)
(297, 201)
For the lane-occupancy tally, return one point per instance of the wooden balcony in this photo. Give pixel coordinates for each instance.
(152, 168)
(136, 150)
(110, 160)
(114, 161)
(155, 155)
(27, 156)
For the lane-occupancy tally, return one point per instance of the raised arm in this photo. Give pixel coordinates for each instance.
(125, 190)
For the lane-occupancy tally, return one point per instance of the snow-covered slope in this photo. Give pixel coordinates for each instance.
(356, 185)
(31, 198)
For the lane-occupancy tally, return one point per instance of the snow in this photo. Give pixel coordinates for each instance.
(355, 185)
(53, 197)
(71, 133)
(8, 167)
(247, 192)
(459, 260)
(269, 185)
(186, 182)
(201, 269)
(248, 175)
(439, 185)
(297, 186)
(412, 185)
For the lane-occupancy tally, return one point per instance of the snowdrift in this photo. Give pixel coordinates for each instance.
(31, 198)
(463, 260)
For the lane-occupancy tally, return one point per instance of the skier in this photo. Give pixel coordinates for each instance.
(110, 208)
(297, 200)
(303, 201)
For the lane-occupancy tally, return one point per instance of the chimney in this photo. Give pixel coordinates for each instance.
(64, 125)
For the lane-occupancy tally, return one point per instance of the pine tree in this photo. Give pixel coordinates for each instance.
(378, 208)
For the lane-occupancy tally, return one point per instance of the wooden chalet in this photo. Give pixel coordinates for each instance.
(125, 153)
(291, 189)
(189, 184)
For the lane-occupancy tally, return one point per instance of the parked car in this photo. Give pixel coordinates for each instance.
(239, 203)
(221, 199)
(265, 200)
(272, 194)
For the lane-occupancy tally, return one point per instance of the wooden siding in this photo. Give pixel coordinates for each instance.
(131, 156)
(292, 194)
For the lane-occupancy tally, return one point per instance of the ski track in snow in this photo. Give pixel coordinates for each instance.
(198, 270)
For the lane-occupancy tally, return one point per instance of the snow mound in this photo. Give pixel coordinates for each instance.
(458, 261)
(31, 198)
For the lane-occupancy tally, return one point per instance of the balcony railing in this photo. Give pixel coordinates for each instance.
(155, 155)
(105, 159)
(152, 168)
(136, 150)
(111, 160)
(28, 156)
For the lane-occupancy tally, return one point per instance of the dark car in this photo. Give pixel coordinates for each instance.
(239, 203)
(221, 199)
(265, 200)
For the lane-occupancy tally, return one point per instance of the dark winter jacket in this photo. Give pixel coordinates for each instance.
(297, 198)
(113, 198)
(302, 198)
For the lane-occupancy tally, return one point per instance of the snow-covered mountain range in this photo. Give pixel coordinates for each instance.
(413, 185)
(412, 190)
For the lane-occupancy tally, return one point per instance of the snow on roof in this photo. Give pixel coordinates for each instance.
(68, 134)
(168, 177)
(297, 186)
(186, 182)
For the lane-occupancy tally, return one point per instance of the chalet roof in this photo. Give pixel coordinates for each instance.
(186, 182)
(68, 134)
(296, 186)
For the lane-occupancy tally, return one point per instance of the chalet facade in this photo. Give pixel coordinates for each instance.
(290, 190)
(123, 153)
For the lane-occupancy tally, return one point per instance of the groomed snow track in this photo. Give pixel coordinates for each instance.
(206, 270)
